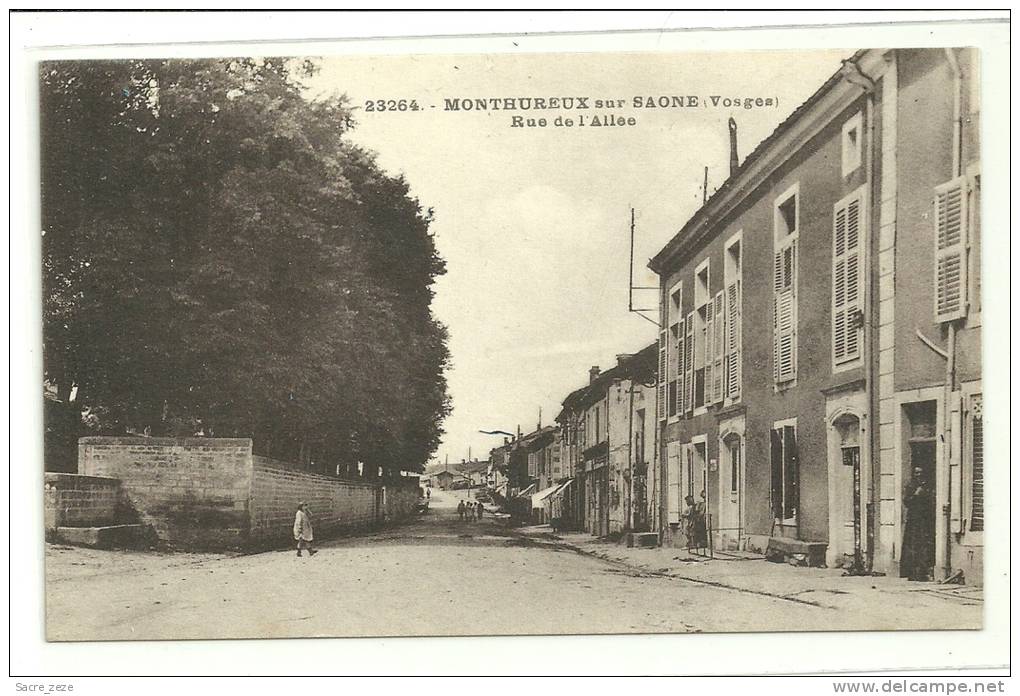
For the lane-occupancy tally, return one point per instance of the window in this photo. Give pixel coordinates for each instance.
(976, 448)
(732, 273)
(675, 349)
(951, 227)
(674, 497)
(848, 222)
(852, 136)
(784, 306)
(784, 491)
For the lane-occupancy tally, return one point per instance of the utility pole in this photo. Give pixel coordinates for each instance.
(630, 280)
(704, 188)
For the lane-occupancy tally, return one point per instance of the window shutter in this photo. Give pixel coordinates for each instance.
(680, 345)
(776, 461)
(660, 406)
(708, 359)
(719, 344)
(791, 473)
(673, 497)
(846, 280)
(977, 463)
(951, 250)
(784, 345)
(689, 363)
(733, 341)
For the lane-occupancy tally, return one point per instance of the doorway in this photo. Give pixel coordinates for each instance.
(917, 557)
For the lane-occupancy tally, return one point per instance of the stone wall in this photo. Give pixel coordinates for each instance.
(213, 493)
(336, 505)
(193, 491)
(80, 501)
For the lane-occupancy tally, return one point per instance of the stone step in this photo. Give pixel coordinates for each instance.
(114, 536)
(810, 553)
(647, 540)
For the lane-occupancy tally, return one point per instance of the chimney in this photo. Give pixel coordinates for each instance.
(593, 373)
(734, 159)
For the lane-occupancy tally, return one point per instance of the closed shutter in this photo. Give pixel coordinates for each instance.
(660, 404)
(784, 347)
(977, 463)
(733, 341)
(719, 344)
(689, 363)
(951, 250)
(846, 280)
(679, 366)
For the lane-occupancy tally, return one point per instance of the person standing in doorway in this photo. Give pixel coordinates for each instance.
(303, 530)
(918, 559)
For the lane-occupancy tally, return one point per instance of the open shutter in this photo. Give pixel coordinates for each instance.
(977, 463)
(784, 346)
(673, 497)
(689, 363)
(719, 344)
(733, 340)
(791, 473)
(709, 357)
(679, 365)
(846, 281)
(776, 461)
(951, 250)
(660, 403)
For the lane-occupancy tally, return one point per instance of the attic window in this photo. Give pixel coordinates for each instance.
(851, 139)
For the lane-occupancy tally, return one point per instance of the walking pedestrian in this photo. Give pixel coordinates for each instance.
(303, 530)
(481, 509)
(460, 510)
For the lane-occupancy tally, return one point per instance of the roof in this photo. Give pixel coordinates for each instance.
(641, 367)
(729, 187)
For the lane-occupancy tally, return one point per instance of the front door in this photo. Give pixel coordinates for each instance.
(731, 458)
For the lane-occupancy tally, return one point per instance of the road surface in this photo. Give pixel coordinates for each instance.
(434, 576)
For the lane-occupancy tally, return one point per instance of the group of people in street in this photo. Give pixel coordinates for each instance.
(470, 510)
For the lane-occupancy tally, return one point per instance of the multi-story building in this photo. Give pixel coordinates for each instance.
(608, 443)
(820, 335)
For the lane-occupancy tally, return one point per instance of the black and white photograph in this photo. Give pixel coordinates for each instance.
(342, 343)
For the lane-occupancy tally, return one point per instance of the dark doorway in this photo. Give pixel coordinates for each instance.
(917, 560)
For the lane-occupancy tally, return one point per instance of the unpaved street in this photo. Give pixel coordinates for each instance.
(435, 576)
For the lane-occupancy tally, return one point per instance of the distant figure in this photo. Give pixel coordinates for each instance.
(460, 510)
(303, 530)
(700, 522)
(918, 555)
(428, 492)
(471, 511)
(480, 510)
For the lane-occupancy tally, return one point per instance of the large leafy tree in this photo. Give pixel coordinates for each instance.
(217, 255)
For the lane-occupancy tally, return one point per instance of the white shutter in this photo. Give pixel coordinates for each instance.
(951, 250)
(848, 218)
(719, 344)
(660, 403)
(679, 359)
(733, 340)
(689, 363)
(784, 345)
(673, 498)
(708, 359)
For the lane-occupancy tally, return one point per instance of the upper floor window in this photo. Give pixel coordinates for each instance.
(732, 273)
(784, 283)
(849, 223)
(851, 139)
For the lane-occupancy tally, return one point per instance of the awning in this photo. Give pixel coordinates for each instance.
(539, 498)
(526, 492)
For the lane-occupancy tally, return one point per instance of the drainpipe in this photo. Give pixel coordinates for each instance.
(630, 462)
(852, 73)
(950, 387)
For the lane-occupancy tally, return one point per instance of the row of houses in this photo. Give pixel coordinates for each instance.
(819, 344)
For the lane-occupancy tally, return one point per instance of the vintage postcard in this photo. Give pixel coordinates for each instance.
(340, 344)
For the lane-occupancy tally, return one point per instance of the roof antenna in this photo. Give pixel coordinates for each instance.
(630, 283)
(704, 188)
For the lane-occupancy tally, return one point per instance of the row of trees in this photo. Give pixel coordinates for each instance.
(219, 258)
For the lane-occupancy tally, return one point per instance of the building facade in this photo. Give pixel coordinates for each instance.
(820, 323)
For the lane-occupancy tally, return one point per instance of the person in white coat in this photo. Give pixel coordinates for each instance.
(303, 529)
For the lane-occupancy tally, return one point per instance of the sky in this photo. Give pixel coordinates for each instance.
(534, 222)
